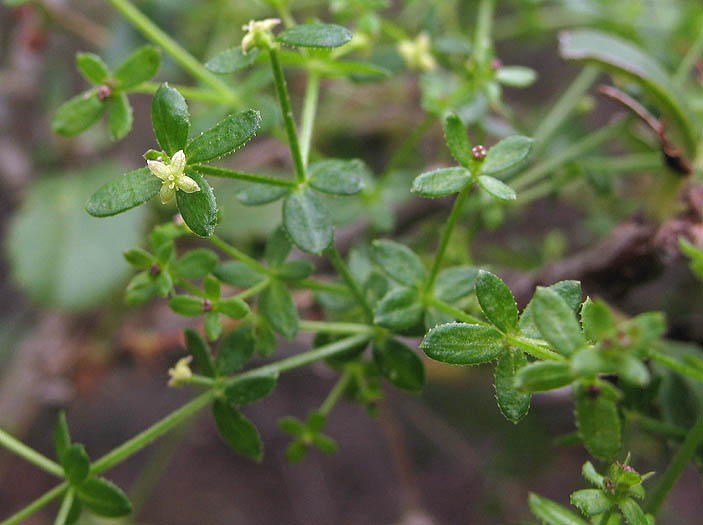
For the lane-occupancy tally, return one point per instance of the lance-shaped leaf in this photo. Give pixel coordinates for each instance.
(232, 60)
(307, 221)
(591, 501)
(200, 350)
(250, 389)
(496, 188)
(516, 76)
(120, 116)
(399, 310)
(76, 464)
(337, 177)
(596, 319)
(552, 513)
(398, 261)
(139, 67)
(77, 114)
(556, 321)
(237, 349)
(278, 247)
(497, 301)
(224, 137)
(104, 498)
(236, 273)
(62, 437)
(457, 139)
(258, 194)
(315, 35)
(236, 430)
(598, 422)
(512, 402)
(463, 344)
(92, 67)
(277, 306)
(454, 283)
(570, 291)
(441, 182)
(507, 154)
(198, 209)
(170, 119)
(399, 364)
(632, 512)
(123, 193)
(196, 264)
(541, 376)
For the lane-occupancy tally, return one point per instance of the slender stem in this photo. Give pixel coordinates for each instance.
(635, 162)
(29, 454)
(689, 60)
(237, 254)
(312, 92)
(65, 507)
(454, 312)
(675, 365)
(655, 425)
(189, 92)
(191, 288)
(446, 235)
(335, 328)
(249, 177)
(322, 286)
(36, 505)
(408, 146)
(676, 467)
(174, 49)
(336, 392)
(284, 101)
(530, 346)
(484, 25)
(253, 290)
(565, 105)
(346, 275)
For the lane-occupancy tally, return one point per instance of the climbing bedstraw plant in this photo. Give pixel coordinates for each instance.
(387, 296)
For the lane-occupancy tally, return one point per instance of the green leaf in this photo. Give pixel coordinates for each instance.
(457, 139)
(507, 154)
(120, 115)
(278, 247)
(591, 474)
(213, 326)
(596, 319)
(77, 114)
(632, 512)
(224, 137)
(513, 404)
(142, 288)
(139, 258)
(315, 35)
(198, 209)
(232, 60)
(325, 444)
(398, 261)
(441, 182)
(123, 193)
(497, 301)
(399, 310)
(170, 119)
(296, 451)
(353, 69)
(591, 501)
(541, 376)
(236, 273)
(62, 437)
(552, 513)
(556, 322)
(598, 422)
(258, 194)
(139, 67)
(196, 264)
(76, 464)
(92, 67)
(104, 498)
(237, 349)
(625, 58)
(292, 426)
(277, 306)
(570, 291)
(233, 307)
(74, 512)
(250, 389)
(265, 337)
(337, 177)
(496, 188)
(463, 344)
(516, 76)
(400, 365)
(295, 270)
(200, 350)
(455, 283)
(236, 430)
(212, 288)
(187, 305)
(307, 221)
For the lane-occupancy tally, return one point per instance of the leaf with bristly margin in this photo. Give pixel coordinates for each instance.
(170, 119)
(250, 388)
(62, 437)
(507, 154)
(76, 464)
(233, 307)
(103, 498)
(232, 60)
(258, 194)
(278, 247)
(277, 306)
(596, 319)
(92, 67)
(633, 512)
(496, 188)
(337, 176)
(497, 301)
(200, 350)
(625, 58)
(513, 403)
(570, 291)
(556, 321)
(591, 501)
(123, 193)
(139, 67)
(457, 139)
(236, 273)
(541, 376)
(551, 513)
(399, 310)
(237, 349)
(454, 283)
(120, 116)
(224, 137)
(441, 182)
(399, 364)
(516, 76)
(187, 305)
(315, 35)
(77, 114)
(398, 261)
(198, 209)
(307, 221)
(598, 423)
(236, 430)
(463, 344)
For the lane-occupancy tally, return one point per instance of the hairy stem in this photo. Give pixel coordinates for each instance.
(448, 309)
(312, 93)
(346, 275)
(326, 327)
(532, 347)
(189, 92)
(249, 177)
(29, 454)
(675, 365)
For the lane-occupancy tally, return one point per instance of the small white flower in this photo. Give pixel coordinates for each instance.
(181, 372)
(417, 53)
(173, 176)
(255, 30)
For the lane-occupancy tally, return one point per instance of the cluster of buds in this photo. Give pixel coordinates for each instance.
(258, 33)
(418, 53)
(181, 372)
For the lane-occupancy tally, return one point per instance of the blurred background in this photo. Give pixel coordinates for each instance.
(446, 456)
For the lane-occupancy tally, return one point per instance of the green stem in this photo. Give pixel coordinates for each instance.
(335, 393)
(689, 60)
(348, 278)
(532, 347)
(326, 327)
(189, 92)
(408, 146)
(191, 288)
(484, 25)
(36, 505)
(284, 101)
(312, 92)
(253, 290)
(321, 286)
(29, 454)
(249, 177)
(65, 507)
(675, 365)
(446, 235)
(635, 162)
(655, 425)
(676, 467)
(448, 309)
(243, 257)
(180, 55)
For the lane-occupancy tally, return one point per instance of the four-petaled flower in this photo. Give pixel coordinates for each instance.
(173, 176)
(181, 372)
(418, 53)
(257, 29)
